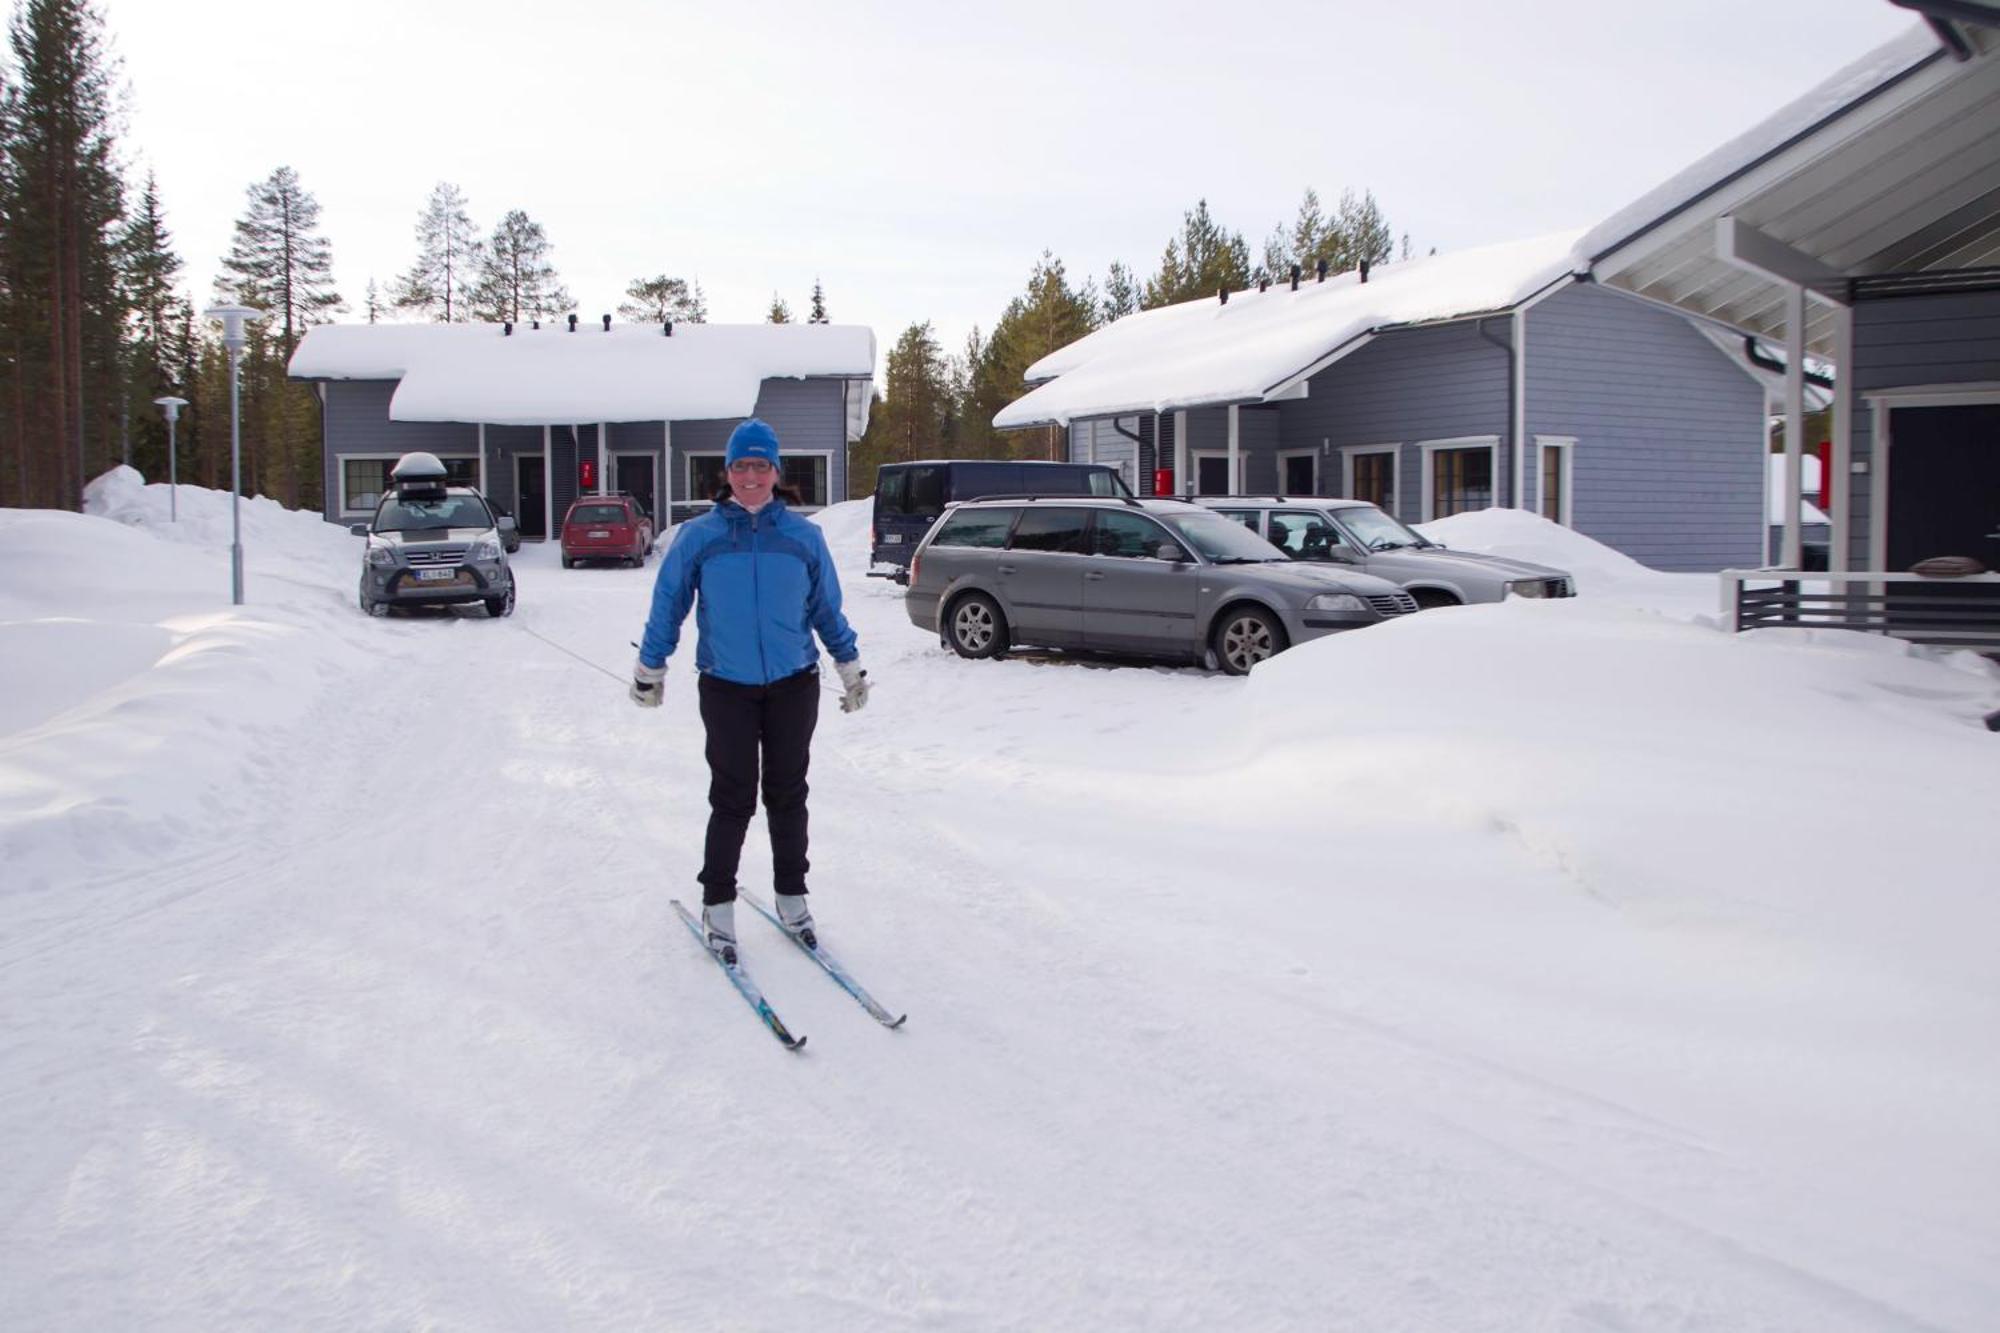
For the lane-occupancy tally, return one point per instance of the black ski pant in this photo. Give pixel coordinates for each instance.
(746, 722)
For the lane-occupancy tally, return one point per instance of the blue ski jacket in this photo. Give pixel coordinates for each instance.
(766, 585)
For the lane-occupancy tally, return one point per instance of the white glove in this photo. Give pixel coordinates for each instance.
(646, 684)
(856, 682)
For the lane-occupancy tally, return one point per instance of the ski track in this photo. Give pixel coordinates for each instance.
(416, 1042)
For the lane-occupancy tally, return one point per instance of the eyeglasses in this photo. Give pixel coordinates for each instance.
(750, 465)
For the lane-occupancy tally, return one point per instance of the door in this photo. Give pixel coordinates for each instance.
(1298, 475)
(1041, 575)
(531, 493)
(634, 477)
(1944, 492)
(1134, 600)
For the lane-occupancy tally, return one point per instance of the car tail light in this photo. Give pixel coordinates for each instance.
(915, 560)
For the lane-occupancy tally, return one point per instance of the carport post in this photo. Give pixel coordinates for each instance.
(482, 458)
(1795, 420)
(1182, 484)
(1233, 485)
(603, 482)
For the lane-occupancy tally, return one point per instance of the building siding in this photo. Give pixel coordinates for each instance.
(357, 422)
(1403, 388)
(1908, 341)
(1669, 462)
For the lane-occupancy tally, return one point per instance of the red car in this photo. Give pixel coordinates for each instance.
(606, 527)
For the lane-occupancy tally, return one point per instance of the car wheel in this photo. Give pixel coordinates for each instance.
(1244, 637)
(373, 607)
(976, 628)
(502, 605)
(1429, 599)
(568, 563)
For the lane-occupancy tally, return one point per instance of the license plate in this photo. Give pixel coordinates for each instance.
(893, 539)
(436, 575)
(597, 534)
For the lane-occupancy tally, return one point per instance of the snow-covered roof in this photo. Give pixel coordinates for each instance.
(550, 376)
(1206, 352)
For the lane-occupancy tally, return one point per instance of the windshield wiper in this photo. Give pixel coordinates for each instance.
(1248, 559)
(1387, 546)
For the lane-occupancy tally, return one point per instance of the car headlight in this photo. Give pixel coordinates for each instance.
(486, 548)
(1529, 588)
(1336, 601)
(381, 555)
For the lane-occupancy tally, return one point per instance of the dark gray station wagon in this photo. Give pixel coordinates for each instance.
(1158, 578)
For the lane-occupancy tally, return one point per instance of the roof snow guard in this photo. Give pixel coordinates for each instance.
(1259, 345)
(553, 376)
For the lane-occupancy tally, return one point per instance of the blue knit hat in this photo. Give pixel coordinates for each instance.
(752, 439)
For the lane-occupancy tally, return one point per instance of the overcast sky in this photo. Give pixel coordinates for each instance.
(918, 158)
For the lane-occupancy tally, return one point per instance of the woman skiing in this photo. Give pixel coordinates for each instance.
(762, 584)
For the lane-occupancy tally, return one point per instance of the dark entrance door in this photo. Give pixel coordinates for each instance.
(531, 493)
(1944, 484)
(635, 478)
(1299, 474)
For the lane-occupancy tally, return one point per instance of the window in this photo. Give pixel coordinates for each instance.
(1458, 476)
(982, 528)
(1371, 476)
(600, 513)
(704, 473)
(1553, 499)
(452, 511)
(1211, 474)
(891, 489)
(1302, 534)
(925, 497)
(1127, 535)
(1247, 517)
(1050, 530)
(362, 480)
(1298, 472)
(807, 473)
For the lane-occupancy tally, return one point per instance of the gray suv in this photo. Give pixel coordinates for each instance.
(433, 544)
(1355, 534)
(1159, 578)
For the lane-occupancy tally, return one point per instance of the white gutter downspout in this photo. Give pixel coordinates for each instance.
(482, 458)
(1520, 423)
(603, 477)
(1795, 421)
(1234, 486)
(1839, 484)
(665, 489)
(548, 486)
(1181, 480)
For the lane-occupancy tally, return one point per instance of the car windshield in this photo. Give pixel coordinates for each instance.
(1223, 540)
(1377, 531)
(399, 514)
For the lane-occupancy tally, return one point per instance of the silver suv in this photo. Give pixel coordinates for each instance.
(1160, 578)
(1355, 534)
(433, 544)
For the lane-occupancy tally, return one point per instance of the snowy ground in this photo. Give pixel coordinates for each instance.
(1541, 966)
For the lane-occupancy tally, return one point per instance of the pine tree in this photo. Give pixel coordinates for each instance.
(657, 300)
(1365, 236)
(516, 279)
(818, 312)
(1049, 315)
(1205, 258)
(448, 260)
(60, 202)
(159, 317)
(280, 264)
(372, 303)
(779, 313)
(909, 420)
(1121, 293)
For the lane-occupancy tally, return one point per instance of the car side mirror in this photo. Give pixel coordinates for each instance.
(506, 523)
(358, 529)
(1169, 551)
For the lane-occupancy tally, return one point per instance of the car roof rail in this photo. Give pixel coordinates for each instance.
(1069, 496)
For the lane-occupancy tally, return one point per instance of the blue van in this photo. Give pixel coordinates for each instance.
(910, 496)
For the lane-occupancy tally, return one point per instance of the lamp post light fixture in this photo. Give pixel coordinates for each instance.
(170, 407)
(233, 318)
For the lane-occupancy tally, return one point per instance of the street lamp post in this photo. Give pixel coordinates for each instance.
(171, 408)
(233, 318)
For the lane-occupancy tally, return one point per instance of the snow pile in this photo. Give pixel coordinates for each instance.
(550, 376)
(1548, 964)
(1206, 351)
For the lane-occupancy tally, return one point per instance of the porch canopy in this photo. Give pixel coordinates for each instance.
(552, 376)
(1883, 179)
(1263, 346)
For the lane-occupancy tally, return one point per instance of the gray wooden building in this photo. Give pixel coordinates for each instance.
(1493, 377)
(1861, 225)
(537, 416)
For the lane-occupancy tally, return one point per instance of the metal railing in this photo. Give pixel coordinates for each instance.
(1954, 612)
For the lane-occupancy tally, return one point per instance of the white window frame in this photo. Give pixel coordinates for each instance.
(827, 454)
(1194, 469)
(1881, 403)
(1349, 452)
(1566, 443)
(340, 475)
(1429, 448)
(687, 457)
(1284, 454)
